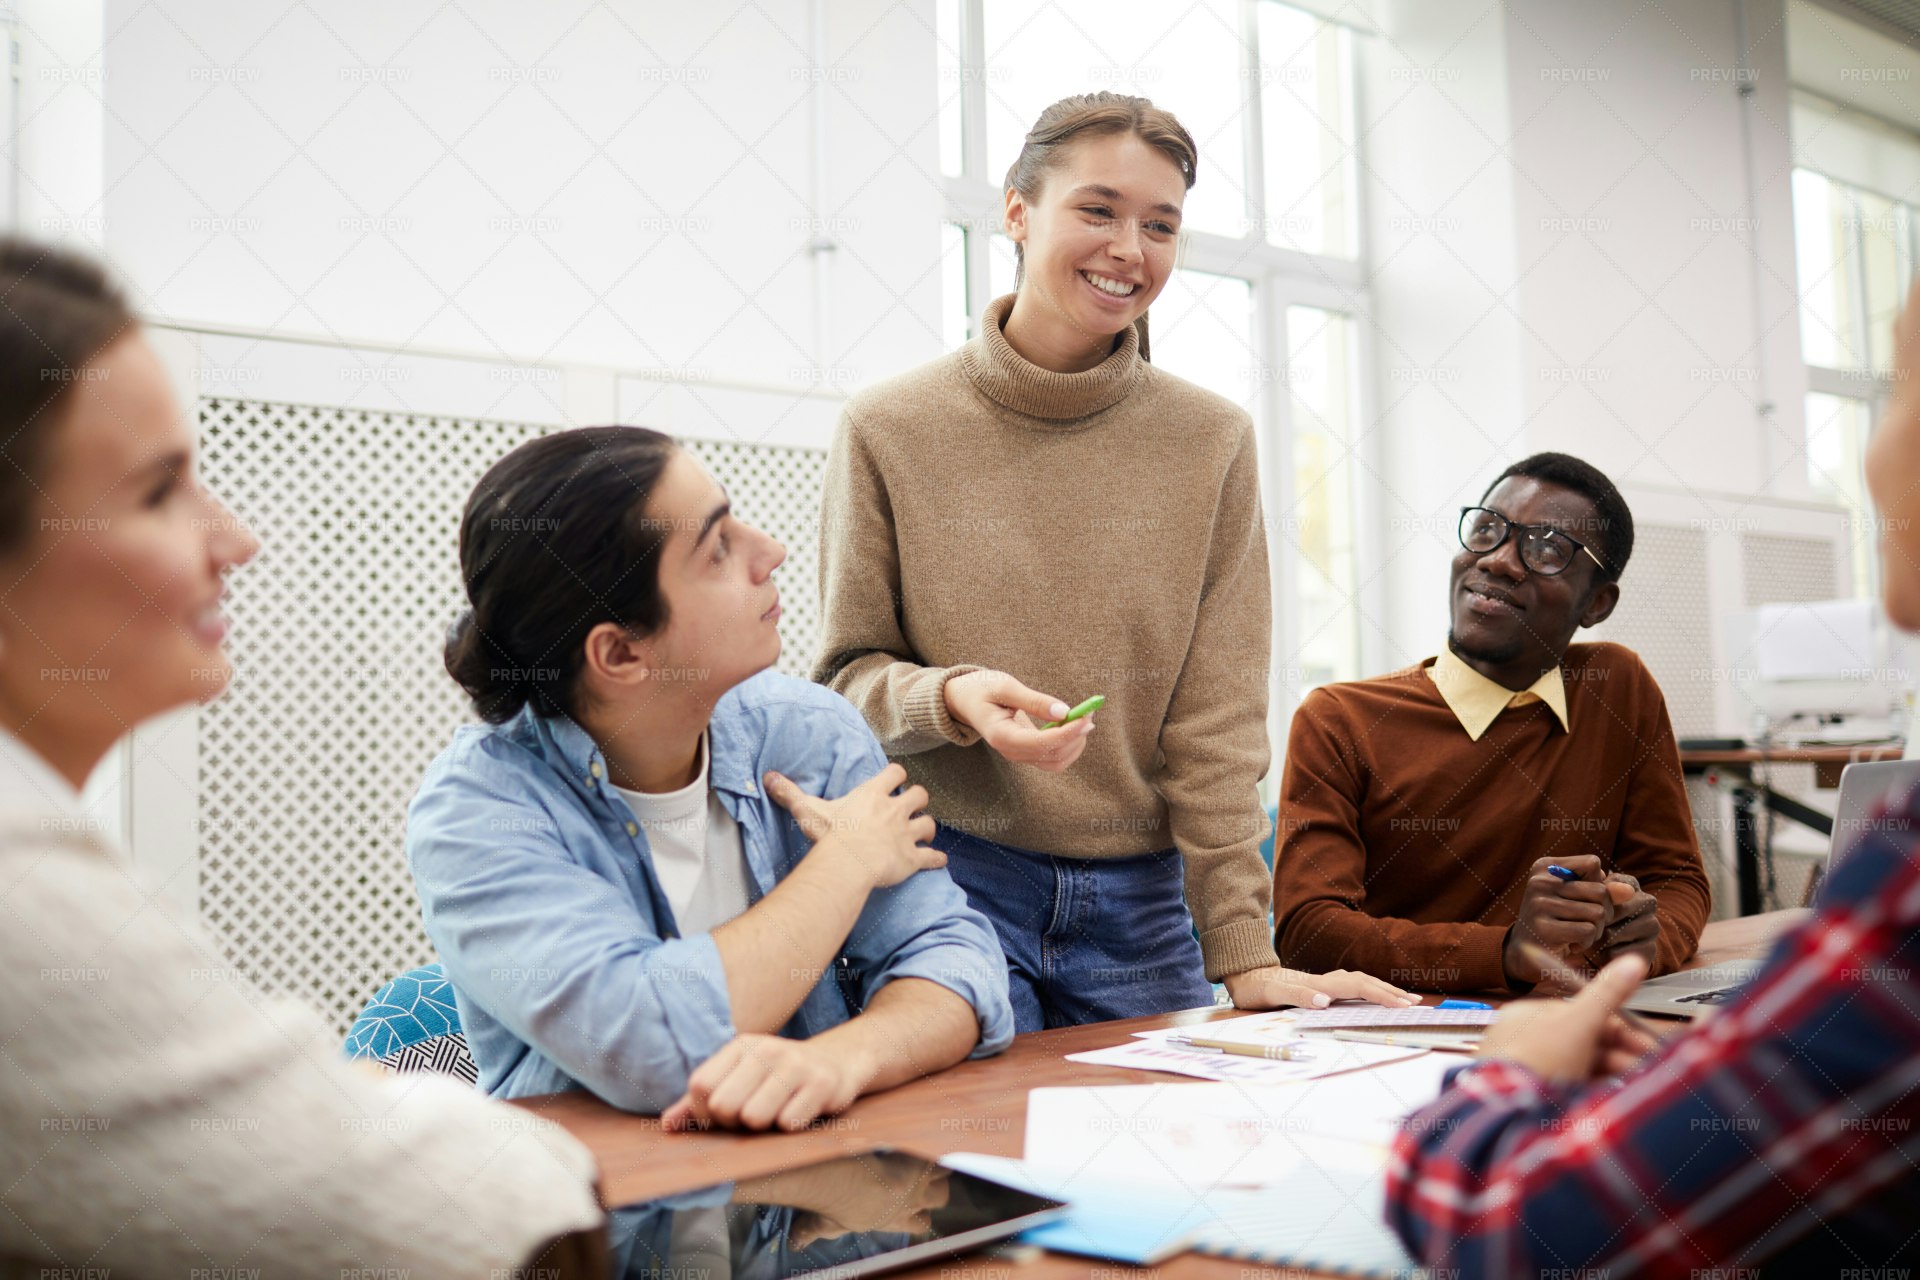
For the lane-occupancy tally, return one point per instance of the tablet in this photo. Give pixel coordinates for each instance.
(850, 1216)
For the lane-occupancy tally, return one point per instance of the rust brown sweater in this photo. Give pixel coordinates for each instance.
(1404, 846)
(1095, 532)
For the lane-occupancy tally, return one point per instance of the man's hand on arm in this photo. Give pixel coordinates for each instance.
(780, 947)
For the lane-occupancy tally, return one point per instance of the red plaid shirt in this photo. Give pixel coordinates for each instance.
(1782, 1130)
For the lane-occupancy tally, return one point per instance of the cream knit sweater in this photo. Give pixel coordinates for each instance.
(159, 1116)
(1096, 532)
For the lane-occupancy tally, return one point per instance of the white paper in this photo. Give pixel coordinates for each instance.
(1200, 1136)
(1284, 1025)
(1328, 1057)
(1408, 1017)
(1251, 1028)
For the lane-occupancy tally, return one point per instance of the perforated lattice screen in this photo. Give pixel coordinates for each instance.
(339, 700)
(1787, 570)
(1663, 616)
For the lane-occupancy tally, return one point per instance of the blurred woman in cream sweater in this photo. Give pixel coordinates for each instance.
(158, 1115)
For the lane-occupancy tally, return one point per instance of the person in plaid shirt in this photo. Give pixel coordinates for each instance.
(1782, 1132)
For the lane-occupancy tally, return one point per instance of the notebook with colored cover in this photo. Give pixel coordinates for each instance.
(1121, 1220)
(1319, 1220)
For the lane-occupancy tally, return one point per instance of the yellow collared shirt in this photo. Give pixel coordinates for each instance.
(1477, 701)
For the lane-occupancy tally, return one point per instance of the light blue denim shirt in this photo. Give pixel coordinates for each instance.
(539, 892)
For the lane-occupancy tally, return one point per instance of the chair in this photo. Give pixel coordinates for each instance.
(412, 1024)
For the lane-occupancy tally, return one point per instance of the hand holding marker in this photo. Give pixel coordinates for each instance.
(1086, 708)
(1006, 715)
(1615, 889)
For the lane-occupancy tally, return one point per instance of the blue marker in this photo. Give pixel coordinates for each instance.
(1462, 1004)
(1557, 870)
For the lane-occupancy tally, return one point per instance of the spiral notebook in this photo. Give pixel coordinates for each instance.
(1319, 1220)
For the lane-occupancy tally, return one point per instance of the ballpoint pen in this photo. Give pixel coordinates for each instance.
(1405, 1040)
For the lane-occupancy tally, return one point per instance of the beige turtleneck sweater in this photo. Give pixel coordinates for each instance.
(1095, 532)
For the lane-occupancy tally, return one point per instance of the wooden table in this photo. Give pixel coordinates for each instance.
(975, 1106)
(1827, 762)
(1749, 795)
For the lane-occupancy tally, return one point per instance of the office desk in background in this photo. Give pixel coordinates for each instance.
(975, 1106)
(1749, 795)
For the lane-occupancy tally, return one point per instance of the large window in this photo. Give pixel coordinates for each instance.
(1261, 309)
(1306, 111)
(1320, 384)
(1854, 248)
(1837, 431)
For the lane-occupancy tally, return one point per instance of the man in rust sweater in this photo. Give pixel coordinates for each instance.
(1420, 811)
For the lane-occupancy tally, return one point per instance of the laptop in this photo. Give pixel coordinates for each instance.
(1694, 992)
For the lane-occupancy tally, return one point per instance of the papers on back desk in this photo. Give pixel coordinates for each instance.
(1231, 1134)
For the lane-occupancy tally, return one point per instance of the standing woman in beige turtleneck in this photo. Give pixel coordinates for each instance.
(1042, 516)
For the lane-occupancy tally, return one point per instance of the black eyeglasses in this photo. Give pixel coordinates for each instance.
(1543, 549)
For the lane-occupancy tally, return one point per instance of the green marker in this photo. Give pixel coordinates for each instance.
(1086, 708)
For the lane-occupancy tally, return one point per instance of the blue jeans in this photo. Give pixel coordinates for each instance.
(1087, 939)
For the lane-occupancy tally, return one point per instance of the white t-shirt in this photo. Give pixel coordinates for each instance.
(696, 849)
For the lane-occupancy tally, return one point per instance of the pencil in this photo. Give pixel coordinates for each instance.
(1271, 1052)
